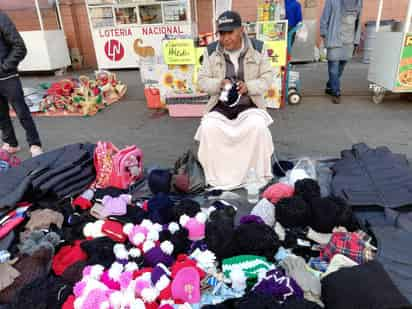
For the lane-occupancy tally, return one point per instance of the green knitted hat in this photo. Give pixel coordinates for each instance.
(251, 265)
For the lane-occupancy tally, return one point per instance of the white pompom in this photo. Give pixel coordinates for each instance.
(116, 299)
(147, 245)
(138, 239)
(127, 228)
(96, 271)
(120, 251)
(149, 295)
(238, 278)
(88, 229)
(201, 217)
(183, 220)
(153, 235)
(158, 227)
(131, 267)
(173, 227)
(147, 224)
(135, 253)
(167, 247)
(115, 271)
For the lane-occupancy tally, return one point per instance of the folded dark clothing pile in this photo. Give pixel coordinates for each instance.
(61, 173)
(373, 177)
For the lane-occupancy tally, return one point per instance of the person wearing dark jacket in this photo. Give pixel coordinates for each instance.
(293, 11)
(12, 52)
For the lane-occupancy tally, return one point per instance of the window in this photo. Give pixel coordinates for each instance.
(126, 15)
(150, 14)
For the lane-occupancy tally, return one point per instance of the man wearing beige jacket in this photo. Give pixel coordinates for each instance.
(234, 135)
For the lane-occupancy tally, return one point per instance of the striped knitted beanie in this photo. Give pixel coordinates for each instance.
(251, 265)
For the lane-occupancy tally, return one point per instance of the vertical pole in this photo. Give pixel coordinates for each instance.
(378, 20)
(59, 15)
(408, 19)
(39, 14)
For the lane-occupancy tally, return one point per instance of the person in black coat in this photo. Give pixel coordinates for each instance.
(12, 52)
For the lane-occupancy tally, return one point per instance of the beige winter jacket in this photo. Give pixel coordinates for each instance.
(259, 74)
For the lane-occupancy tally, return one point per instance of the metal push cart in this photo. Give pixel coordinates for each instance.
(390, 69)
(292, 84)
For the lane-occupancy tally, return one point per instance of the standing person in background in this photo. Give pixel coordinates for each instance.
(340, 29)
(293, 11)
(12, 52)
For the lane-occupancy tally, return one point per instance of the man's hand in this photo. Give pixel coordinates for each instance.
(242, 88)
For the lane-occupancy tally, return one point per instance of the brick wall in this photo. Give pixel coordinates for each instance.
(74, 17)
(205, 15)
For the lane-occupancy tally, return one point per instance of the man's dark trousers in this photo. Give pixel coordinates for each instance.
(11, 92)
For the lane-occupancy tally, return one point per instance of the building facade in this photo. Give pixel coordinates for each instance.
(77, 29)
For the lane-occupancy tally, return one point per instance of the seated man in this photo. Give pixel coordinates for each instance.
(234, 135)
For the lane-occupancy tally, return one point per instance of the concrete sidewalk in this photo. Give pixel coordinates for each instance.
(316, 127)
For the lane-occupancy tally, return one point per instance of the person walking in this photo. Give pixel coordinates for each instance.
(293, 11)
(340, 29)
(12, 52)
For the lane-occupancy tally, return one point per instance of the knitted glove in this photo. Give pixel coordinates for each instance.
(295, 267)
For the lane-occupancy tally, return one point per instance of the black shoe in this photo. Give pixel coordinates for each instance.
(328, 91)
(336, 99)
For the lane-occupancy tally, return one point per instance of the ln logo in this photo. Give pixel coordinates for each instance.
(114, 50)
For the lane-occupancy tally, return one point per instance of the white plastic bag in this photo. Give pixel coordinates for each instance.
(302, 34)
(304, 168)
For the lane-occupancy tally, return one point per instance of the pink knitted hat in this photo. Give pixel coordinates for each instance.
(196, 226)
(186, 285)
(277, 192)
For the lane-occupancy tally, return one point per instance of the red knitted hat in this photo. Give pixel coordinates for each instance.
(67, 256)
(114, 230)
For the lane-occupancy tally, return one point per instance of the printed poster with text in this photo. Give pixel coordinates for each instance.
(180, 51)
(404, 77)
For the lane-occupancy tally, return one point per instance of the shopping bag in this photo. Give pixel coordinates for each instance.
(305, 168)
(302, 34)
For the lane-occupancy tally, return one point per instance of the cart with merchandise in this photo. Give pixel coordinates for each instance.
(390, 69)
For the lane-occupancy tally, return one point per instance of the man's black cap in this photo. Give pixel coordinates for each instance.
(228, 21)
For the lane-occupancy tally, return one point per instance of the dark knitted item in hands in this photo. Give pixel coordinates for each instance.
(185, 207)
(256, 239)
(293, 212)
(99, 251)
(307, 189)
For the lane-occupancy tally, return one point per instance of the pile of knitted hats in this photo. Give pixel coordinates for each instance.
(83, 95)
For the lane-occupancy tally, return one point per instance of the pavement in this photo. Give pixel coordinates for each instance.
(314, 128)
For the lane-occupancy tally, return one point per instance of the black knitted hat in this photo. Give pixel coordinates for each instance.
(293, 212)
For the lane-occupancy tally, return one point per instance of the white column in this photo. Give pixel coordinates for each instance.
(39, 14)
